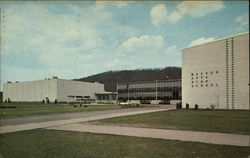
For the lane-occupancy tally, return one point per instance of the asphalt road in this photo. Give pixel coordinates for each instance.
(44, 121)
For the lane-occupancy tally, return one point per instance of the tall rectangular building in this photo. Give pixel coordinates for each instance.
(217, 73)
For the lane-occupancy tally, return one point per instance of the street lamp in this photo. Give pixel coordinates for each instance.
(156, 90)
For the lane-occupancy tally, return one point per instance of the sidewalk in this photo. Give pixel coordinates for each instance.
(193, 136)
(98, 116)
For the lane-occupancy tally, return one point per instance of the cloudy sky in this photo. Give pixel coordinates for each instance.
(78, 39)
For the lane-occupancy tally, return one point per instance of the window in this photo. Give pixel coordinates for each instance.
(217, 72)
(192, 74)
(211, 85)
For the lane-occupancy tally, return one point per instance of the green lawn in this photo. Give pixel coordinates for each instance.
(39, 108)
(226, 121)
(64, 144)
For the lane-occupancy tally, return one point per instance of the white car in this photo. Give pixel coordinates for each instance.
(124, 103)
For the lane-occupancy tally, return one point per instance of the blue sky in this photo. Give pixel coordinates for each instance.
(82, 38)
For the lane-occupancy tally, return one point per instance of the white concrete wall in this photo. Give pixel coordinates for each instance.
(77, 88)
(32, 91)
(212, 57)
(242, 71)
(36, 91)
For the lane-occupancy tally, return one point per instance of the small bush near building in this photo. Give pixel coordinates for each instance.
(145, 101)
(55, 101)
(196, 106)
(178, 105)
(165, 102)
(212, 106)
(43, 101)
(187, 106)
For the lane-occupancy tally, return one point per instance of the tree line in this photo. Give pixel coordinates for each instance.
(111, 78)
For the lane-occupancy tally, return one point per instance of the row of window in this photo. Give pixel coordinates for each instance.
(201, 73)
(72, 96)
(205, 85)
(200, 81)
(151, 98)
(198, 77)
(159, 89)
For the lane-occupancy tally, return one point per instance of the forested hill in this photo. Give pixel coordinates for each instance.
(111, 78)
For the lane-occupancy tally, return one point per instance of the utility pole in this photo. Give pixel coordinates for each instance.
(117, 93)
(218, 97)
(128, 92)
(156, 95)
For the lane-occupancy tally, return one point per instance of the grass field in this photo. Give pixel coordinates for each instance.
(225, 121)
(63, 144)
(23, 109)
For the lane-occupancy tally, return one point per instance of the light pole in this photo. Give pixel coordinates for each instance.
(218, 96)
(128, 92)
(117, 93)
(156, 90)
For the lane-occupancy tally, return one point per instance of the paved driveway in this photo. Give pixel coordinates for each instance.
(34, 122)
(193, 136)
(72, 115)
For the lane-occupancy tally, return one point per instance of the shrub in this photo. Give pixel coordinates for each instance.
(178, 105)
(48, 101)
(144, 101)
(9, 100)
(55, 101)
(187, 106)
(212, 106)
(43, 101)
(6, 101)
(196, 106)
(165, 102)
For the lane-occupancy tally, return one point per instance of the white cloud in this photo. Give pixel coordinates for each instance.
(201, 40)
(61, 44)
(158, 14)
(199, 8)
(119, 4)
(243, 19)
(174, 17)
(143, 43)
(194, 9)
(118, 64)
(172, 50)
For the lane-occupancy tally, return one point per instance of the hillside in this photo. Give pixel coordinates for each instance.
(111, 78)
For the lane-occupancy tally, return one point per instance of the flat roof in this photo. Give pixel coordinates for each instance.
(46, 79)
(216, 40)
(105, 93)
(141, 82)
